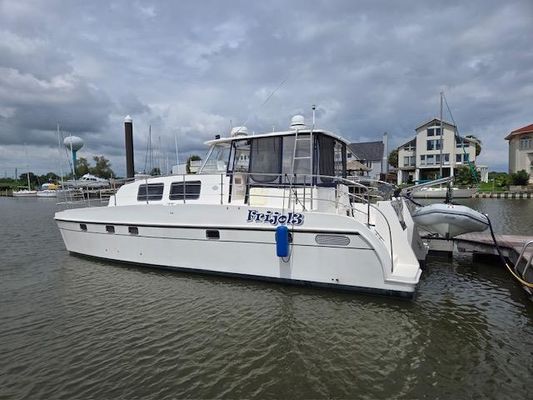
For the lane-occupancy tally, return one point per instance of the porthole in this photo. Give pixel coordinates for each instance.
(110, 229)
(133, 230)
(83, 227)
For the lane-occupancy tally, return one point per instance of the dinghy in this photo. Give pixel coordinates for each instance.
(450, 220)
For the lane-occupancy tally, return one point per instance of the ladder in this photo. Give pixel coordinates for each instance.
(301, 139)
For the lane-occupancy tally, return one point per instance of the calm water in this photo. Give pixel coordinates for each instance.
(73, 328)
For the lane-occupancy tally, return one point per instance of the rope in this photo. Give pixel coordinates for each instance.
(502, 258)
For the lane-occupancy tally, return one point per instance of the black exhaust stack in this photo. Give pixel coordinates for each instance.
(128, 131)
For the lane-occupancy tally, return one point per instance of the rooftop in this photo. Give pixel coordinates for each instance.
(519, 131)
(368, 151)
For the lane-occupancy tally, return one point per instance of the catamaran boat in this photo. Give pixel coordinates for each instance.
(276, 206)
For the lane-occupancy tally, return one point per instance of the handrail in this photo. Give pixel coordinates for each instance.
(524, 247)
(415, 188)
(389, 228)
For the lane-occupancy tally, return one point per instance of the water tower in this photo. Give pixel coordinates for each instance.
(73, 143)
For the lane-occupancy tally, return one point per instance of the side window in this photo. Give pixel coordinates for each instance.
(265, 159)
(189, 190)
(150, 192)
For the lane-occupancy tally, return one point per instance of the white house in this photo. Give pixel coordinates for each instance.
(521, 150)
(422, 158)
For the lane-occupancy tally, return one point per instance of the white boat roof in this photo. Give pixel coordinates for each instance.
(272, 134)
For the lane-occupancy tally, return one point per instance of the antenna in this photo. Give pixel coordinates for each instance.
(159, 155)
(267, 99)
(177, 153)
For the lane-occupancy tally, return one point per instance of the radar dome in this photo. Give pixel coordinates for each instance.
(298, 122)
(73, 142)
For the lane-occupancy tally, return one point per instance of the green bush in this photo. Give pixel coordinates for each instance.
(519, 178)
(464, 176)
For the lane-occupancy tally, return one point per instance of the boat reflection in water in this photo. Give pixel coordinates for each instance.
(276, 206)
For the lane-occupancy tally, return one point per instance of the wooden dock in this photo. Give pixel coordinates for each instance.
(517, 249)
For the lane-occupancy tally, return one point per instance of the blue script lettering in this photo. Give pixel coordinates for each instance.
(275, 218)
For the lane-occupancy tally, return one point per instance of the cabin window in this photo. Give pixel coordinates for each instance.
(212, 234)
(217, 159)
(133, 230)
(265, 159)
(240, 157)
(331, 158)
(83, 227)
(188, 190)
(326, 157)
(301, 165)
(110, 229)
(150, 192)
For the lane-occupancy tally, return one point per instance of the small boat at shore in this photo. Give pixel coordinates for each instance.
(87, 181)
(450, 220)
(48, 190)
(25, 193)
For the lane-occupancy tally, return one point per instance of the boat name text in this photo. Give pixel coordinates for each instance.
(275, 218)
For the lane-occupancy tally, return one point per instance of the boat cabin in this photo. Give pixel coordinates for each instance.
(266, 169)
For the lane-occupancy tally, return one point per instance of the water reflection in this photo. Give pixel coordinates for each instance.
(70, 327)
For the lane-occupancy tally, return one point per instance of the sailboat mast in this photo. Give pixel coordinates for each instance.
(28, 167)
(59, 152)
(441, 141)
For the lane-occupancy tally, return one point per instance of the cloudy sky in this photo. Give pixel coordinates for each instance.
(193, 68)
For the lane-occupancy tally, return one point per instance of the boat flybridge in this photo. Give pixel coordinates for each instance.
(276, 206)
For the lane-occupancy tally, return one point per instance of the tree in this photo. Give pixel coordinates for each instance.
(500, 179)
(463, 176)
(393, 158)
(477, 142)
(194, 157)
(49, 177)
(519, 178)
(82, 166)
(102, 167)
(23, 179)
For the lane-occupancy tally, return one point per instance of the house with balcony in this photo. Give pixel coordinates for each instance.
(521, 150)
(422, 158)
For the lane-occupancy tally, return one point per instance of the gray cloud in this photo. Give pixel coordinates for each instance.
(192, 68)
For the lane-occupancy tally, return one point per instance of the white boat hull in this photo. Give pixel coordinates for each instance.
(25, 193)
(349, 256)
(449, 220)
(47, 193)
